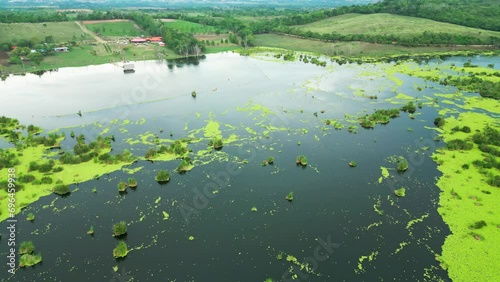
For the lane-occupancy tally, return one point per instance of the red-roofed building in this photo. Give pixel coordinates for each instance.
(154, 39)
(138, 40)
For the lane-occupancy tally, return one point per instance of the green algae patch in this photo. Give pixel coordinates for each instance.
(376, 207)
(372, 225)
(416, 220)
(385, 174)
(251, 131)
(70, 174)
(401, 192)
(305, 267)
(370, 257)
(105, 131)
(468, 254)
(254, 108)
(401, 246)
(132, 170)
(400, 98)
(490, 105)
(212, 130)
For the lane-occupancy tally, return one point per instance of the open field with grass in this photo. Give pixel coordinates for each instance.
(221, 48)
(96, 54)
(114, 28)
(344, 48)
(250, 19)
(189, 27)
(387, 24)
(61, 31)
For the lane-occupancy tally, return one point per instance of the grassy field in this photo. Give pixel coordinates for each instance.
(97, 54)
(385, 24)
(222, 48)
(61, 31)
(116, 28)
(343, 48)
(250, 19)
(189, 27)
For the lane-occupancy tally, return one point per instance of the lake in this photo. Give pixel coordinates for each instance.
(344, 222)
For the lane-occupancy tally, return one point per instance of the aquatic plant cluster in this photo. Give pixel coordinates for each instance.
(97, 150)
(28, 256)
(177, 148)
(384, 116)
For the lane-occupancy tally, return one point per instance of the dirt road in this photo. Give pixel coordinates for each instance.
(85, 30)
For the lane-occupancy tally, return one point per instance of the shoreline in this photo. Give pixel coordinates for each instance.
(264, 49)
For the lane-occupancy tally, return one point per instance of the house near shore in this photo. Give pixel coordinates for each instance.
(61, 49)
(154, 39)
(139, 40)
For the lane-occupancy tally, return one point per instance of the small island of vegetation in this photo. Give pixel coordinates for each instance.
(119, 228)
(120, 250)
(61, 189)
(301, 160)
(132, 182)
(162, 176)
(28, 257)
(122, 186)
(400, 192)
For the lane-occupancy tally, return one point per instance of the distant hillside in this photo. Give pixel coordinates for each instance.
(473, 13)
(104, 4)
(387, 24)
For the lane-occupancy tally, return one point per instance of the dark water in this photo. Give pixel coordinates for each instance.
(333, 202)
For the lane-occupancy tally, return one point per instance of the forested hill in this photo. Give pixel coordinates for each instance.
(483, 14)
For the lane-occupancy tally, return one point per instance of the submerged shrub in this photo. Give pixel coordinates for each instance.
(216, 143)
(150, 153)
(459, 144)
(439, 122)
(91, 230)
(132, 182)
(122, 186)
(162, 176)
(184, 165)
(410, 107)
(61, 189)
(478, 224)
(302, 160)
(366, 123)
(119, 228)
(400, 192)
(29, 259)
(26, 248)
(402, 165)
(120, 250)
(30, 217)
